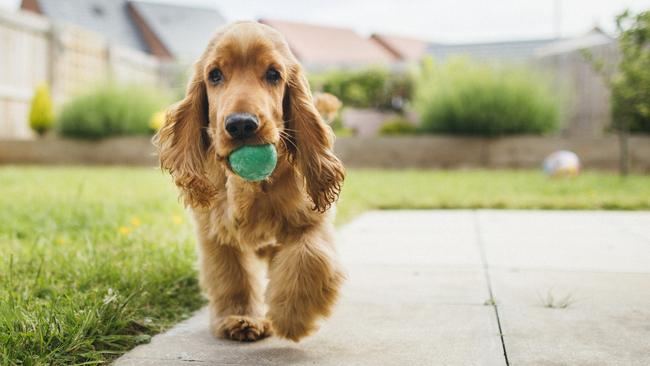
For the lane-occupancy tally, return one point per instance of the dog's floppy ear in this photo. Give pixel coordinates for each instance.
(183, 142)
(312, 142)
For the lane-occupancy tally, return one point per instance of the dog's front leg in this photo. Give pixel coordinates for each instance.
(230, 277)
(305, 277)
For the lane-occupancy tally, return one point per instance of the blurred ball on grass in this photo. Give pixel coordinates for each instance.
(562, 163)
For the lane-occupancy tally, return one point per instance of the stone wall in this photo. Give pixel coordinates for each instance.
(438, 152)
(507, 152)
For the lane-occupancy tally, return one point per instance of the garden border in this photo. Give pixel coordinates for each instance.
(377, 152)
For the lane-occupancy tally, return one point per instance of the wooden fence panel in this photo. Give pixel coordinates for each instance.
(129, 66)
(24, 54)
(80, 61)
(70, 59)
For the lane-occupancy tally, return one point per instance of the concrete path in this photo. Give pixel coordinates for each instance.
(570, 288)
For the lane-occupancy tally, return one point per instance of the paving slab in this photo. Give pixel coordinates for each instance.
(574, 318)
(415, 295)
(436, 238)
(414, 284)
(572, 288)
(567, 240)
(357, 334)
(418, 282)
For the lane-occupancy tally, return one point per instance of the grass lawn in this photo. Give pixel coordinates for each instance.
(95, 260)
(376, 189)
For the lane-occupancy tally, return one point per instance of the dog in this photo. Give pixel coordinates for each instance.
(249, 89)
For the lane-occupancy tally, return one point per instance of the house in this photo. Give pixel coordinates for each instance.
(319, 46)
(403, 48)
(593, 39)
(520, 50)
(180, 32)
(166, 31)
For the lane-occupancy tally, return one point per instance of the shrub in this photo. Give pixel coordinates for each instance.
(461, 97)
(397, 126)
(111, 110)
(41, 116)
(372, 87)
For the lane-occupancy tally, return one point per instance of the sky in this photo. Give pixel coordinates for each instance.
(459, 21)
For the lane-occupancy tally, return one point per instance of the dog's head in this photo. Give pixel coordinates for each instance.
(248, 88)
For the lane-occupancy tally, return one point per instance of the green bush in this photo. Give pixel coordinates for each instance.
(631, 86)
(111, 110)
(41, 116)
(397, 126)
(372, 87)
(465, 98)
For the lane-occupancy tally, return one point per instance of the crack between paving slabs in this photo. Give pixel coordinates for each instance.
(486, 273)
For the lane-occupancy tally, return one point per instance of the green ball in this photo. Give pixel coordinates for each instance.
(254, 162)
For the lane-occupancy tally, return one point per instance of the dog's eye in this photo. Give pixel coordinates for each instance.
(215, 76)
(272, 76)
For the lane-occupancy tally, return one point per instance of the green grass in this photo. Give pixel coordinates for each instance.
(95, 260)
(376, 189)
(92, 262)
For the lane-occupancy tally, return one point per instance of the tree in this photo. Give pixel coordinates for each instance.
(630, 84)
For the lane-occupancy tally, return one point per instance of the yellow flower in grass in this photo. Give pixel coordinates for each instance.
(135, 222)
(177, 219)
(124, 230)
(60, 240)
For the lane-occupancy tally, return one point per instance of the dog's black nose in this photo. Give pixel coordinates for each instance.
(241, 125)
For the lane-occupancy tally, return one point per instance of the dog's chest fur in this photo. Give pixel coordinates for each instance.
(250, 215)
(256, 214)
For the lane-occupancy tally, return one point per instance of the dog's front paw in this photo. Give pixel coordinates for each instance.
(294, 312)
(241, 328)
(290, 327)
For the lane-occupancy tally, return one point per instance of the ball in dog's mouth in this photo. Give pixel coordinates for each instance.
(254, 162)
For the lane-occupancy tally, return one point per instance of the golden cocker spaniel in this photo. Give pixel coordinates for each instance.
(249, 89)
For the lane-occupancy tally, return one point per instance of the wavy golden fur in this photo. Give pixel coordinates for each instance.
(284, 221)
